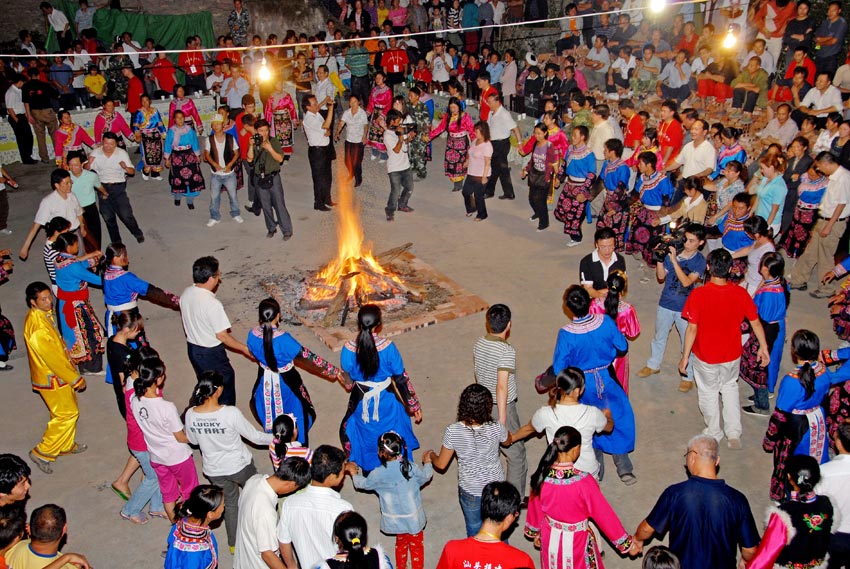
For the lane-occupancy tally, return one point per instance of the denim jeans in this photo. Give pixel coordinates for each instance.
(622, 462)
(146, 491)
(228, 182)
(664, 320)
(471, 507)
(401, 186)
(761, 398)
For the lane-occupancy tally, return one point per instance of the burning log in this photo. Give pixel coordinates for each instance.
(307, 304)
(391, 254)
(336, 305)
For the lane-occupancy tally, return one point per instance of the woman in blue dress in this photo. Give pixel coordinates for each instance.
(591, 342)
(382, 396)
(183, 157)
(798, 425)
(191, 542)
(730, 150)
(80, 328)
(578, 174)
(149, 130)
(279, 388)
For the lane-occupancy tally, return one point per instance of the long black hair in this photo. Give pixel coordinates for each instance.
(476, 405)
(150, 370)
(283, 430)
(207, 385)
(568, 380)
(368, 319)
(63, 241)
(392, 446)
(775, 265)
(805, 346)
(353, 535)
(616, 284)
(804, 471)
(269, 309)
(203, 499)
(566, 438)
(112, 250)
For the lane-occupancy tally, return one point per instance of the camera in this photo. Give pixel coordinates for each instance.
(660, 246)
(406, 128)
(258, 139)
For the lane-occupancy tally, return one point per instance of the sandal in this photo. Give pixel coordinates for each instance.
(139, 519)
(162, 515)
(121, 494)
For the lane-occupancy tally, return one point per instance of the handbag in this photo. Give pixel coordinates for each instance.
(536, 178)
(266, 182)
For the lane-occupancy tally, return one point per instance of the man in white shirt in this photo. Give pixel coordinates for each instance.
(780, 129)
(440, 63)
(307, 518)
(319, 151)
(597, 63)
(834, 480)
(113, 165)
(256, 536)
(215, 79)
(398, 165)
(132, 49)
(698, 158)
(823, 99)
(208, 328)
(237, 87)
(18, 119)
(600, 134)
(61, 202)
(832, 222)
(60, 24)
(768, 63)
(78, 61)
(501, 125)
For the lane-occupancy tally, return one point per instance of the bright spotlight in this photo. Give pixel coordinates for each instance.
(657, 5)
(730, 40)
(264, 74)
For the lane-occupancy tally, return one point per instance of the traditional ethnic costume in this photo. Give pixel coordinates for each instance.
(54, 377)
(150, 127)
(81, 330)
(7, 337)
(280, 111)
(114, 123)
(838, 407)
(655, 191)
(615, 211)
(734, 238)
(380, 102)
(381, 403)
(797, 534)
(283, 391)
(190, 113)
(419, 146)
(460, 130)
(799, 232)
(772, 307)
(561, 513)
(725, 155)
(540, 172)
(628, 324)
(70, 138)
(797, 426)
(184, 151)
(578, 173)
(191, 546)
(592, 343)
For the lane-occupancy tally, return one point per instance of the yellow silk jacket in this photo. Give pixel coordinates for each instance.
(50, 366)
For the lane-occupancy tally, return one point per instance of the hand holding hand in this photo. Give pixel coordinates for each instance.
(417, 416)
(827, 278)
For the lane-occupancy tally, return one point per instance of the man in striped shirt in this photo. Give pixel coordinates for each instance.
(495, 369)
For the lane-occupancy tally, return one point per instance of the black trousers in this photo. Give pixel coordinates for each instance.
(473, 196)
(4, 209)
(361, 87)
(117, 206)
(23, 136)
(745, 100)
(354, 161)
(92, 219)
(839, 551)
(320, 167)
(214, 359)
(537, 196)
(500, 169)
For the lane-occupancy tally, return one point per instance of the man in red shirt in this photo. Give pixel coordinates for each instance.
(135, 90)
(394, 62)
(634, 127)
(499, 511)
(486, 89)
(164, 73)
(245, 131)
(714, 313)
(192, 64)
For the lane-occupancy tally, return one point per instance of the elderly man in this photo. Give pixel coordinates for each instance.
(674, 81)
(780, 129)
(706, 518)
(698, 158)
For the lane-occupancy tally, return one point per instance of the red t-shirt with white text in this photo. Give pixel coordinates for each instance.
(470, 553)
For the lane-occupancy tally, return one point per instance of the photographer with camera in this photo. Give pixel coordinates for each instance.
(320, 152)
(681, 269)
(397, 138)
(266, 155)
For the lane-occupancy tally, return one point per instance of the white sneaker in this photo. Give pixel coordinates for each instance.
(5, 231)
(373, 157)
(145, 177)
(212, 222)
(238, 219)
(381, 161)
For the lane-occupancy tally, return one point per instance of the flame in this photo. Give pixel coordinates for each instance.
(352, 254)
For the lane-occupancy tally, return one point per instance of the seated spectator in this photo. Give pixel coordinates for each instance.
(823, 99)
(597, 62)
(95, 84)
(551, 83)
(699, 64)
(749, 88)
(768, 63)
(842, 79)
(781, 91)
(689, 40)
(624, 32)
(620, 73)
(646, 73)
(673, 83)
(571, 28)
(714, 81)
(780, 129)
(47, 528)
(828, 134)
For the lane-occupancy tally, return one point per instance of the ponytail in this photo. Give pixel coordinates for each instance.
(207, 385)
(616, 286)
(565, 439)
(392, 446)
(283, 430)
(805, 347)
(150, 370)
(269, 309)
(351, 532)
(567, 381)
(368, 319)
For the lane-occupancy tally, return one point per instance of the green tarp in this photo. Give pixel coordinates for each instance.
(169, 31)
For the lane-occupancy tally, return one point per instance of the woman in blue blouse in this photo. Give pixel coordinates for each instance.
(183, 157)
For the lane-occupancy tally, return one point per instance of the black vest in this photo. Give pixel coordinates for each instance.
(228, 149)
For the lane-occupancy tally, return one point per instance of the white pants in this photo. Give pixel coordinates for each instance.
(716, 383)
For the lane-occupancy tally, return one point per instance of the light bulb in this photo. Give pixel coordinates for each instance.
(657, 5)
(730, 39)
(264, 74)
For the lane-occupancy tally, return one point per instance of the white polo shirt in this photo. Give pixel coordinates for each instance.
(837, 193)
(695, 159)
(307, 520)
(501, 124)
(316, 135)
(203, 316)
(54, 205)
(57, 20)
(257, 529)
(354, 125)
(396, 161)
(817, 100)
(109, 168)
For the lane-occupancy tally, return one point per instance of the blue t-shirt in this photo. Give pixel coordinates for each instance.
(674, 295)
(707, 521)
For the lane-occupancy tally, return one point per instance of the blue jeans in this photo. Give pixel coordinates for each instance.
(147, 491)
(401, 186)
(761, 398)
(228, 182)
(471, 507)
(664, 320)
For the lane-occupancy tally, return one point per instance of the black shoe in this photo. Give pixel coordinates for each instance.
(358, 183)
(507, 197)
(177, 203)
(271, 233)
(406, 209)
(752, 410)
(30, 162)
(322, 208)
(140, 239)
(488, 196)
(331, 203)
(190, 205)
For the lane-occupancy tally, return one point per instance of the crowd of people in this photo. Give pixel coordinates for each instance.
(717, 164)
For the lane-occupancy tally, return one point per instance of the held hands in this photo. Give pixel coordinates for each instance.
(8, 265)
(636, 548)
(81, 386)
(827, 278)
(417, 416)
(351, 468)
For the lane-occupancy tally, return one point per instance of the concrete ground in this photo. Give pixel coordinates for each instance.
(502, 260)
